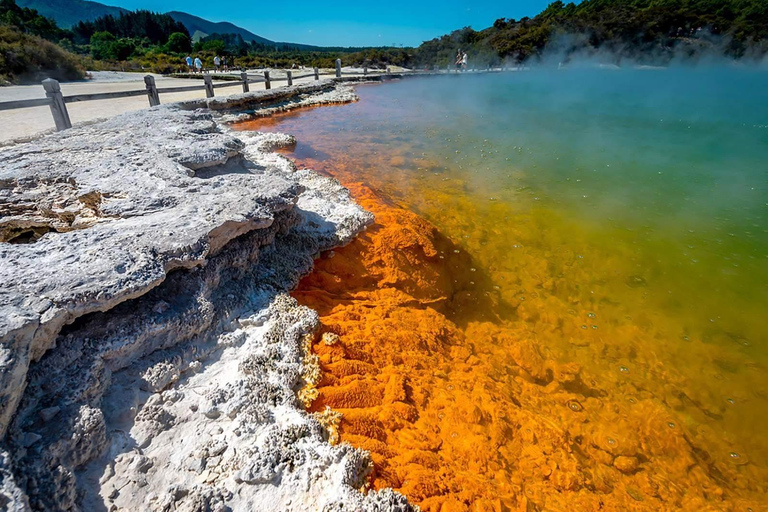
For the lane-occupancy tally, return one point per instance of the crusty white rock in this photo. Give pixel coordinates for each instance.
(150, 356)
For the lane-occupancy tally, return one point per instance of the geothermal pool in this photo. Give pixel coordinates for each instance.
(562, 304)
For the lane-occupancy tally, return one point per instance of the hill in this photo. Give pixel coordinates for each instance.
(25, 54)
(66, 13)
(614, 31)
(199, 28)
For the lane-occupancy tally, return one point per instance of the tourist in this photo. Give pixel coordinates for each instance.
(189, 63)
(198, 65)
(458, 60)
(464, 62)
(217, 62)
(224, 63)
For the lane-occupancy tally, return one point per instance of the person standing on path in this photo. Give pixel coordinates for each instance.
(198, 65)
(189, 63)
(217, 62)
(464, 62)
(458, 60)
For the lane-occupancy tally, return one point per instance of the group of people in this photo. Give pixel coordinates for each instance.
(461, 60)
(196, 65)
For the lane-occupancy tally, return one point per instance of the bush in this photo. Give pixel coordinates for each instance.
(26, 58)
(178, 42)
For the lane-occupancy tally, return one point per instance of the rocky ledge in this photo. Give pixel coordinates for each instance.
(150, 357)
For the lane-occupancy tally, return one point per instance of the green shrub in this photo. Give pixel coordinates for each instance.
(26, 58)
(178, 42)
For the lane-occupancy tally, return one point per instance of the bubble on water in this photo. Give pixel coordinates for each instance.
(441, 415)
(594, 327)
(575, 406)
(686, 338)
(454, 435)
(591, 315)
(583, 326)
(735, 455)
(611, 441)
(632, 400)
(456, 251)
(731, 401)
(473, 269)
(623, 369)
(671, 424)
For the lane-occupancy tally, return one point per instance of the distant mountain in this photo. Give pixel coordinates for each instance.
(68, 12)
(199, 28)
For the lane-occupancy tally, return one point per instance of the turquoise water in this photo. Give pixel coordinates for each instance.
(627, 205)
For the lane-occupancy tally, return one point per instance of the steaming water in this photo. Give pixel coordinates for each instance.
(632, 204)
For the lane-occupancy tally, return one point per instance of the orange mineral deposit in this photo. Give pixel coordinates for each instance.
(460, 412)
(493, 353)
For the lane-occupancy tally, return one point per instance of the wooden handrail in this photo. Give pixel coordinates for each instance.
(36, 102)
(103, 96)
(181, 88)
(228, 84)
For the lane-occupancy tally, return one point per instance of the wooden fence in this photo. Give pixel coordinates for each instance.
(58, 102)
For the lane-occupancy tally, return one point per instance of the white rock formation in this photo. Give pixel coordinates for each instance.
(149, 354)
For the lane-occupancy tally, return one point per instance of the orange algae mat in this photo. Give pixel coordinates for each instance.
(475, 396)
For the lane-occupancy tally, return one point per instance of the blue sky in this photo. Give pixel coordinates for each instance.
(347, 22)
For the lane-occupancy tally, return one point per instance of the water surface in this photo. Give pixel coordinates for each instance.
(618, 218)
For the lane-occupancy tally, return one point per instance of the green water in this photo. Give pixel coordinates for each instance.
(674, 162)
(633, 202)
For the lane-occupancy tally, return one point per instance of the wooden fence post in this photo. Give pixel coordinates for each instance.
(317, 74)
(244, 78)
(290, 78)
(208, 86)
(58, 107)
(338, 68)
(267, 85)
(154, 96)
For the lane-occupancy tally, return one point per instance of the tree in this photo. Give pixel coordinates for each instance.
(215, 46)
(101, 45)
(179, 42)
(157, 28)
